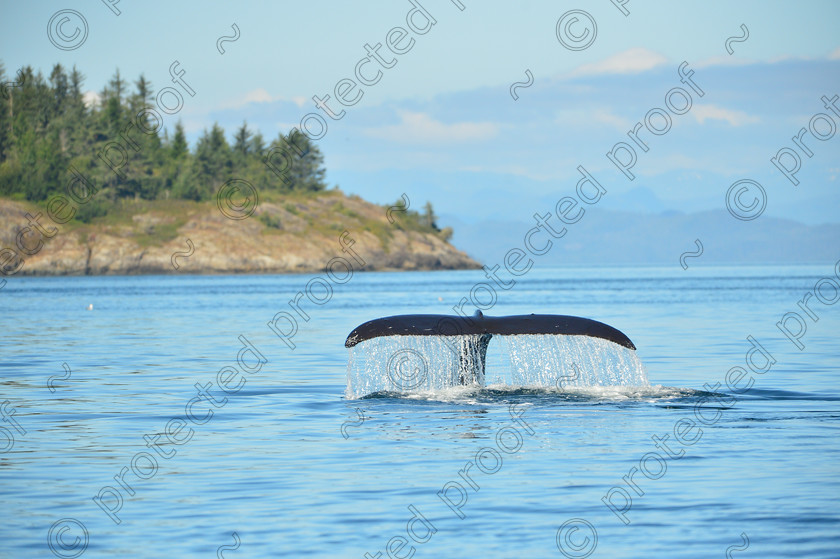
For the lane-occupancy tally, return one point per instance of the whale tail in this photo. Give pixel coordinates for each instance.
(472, 335)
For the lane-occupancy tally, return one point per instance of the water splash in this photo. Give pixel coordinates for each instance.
(419, 364)
(573, 362)
(404, 364)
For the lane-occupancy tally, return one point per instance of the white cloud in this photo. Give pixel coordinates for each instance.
(703, 113)
(735, 60)
(259, 95)
(420, 128)
(607, 117)
(835, 54)
(91, 99)
(583, 117)
(633, 61)
(786, 58)
(724, 60)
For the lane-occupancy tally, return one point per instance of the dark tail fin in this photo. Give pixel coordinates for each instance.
(477, 331)
(443, 325)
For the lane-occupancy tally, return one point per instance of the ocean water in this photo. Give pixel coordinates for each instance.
(100, 459)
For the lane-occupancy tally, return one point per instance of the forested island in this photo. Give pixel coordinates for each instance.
(97, 185)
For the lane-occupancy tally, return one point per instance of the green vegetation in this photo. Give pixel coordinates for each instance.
(51, 138)
(271, 221)
(410, 220)
(48, 131)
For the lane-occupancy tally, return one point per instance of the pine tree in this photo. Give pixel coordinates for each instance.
(112, 108)
(211, 166)
(179, 146)
(46, 127)
(257, 145)
(5, 120)
(306, 172)
(242, 149)
(429, 219)
(242, 144)
(60, 90)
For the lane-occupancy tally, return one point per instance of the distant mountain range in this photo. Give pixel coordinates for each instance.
(613, 237)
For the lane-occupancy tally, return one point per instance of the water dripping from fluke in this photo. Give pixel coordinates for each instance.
(436, 353)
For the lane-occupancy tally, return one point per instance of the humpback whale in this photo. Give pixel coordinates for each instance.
(472, 334)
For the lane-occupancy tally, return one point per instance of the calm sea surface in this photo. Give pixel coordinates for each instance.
(95, 404)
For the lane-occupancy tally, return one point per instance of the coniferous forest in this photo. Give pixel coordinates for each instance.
(48, 132)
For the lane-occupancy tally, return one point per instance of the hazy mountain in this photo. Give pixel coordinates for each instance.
(612, 237)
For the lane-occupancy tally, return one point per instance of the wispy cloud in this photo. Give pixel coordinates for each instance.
(583, 117)
(633, 61)
(420, 128)
(259, 95)
(611, 119)
(835, 54)
(702, 113)
(787, 58)
(724, 60)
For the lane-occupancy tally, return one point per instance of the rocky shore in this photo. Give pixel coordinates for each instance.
(284, 235)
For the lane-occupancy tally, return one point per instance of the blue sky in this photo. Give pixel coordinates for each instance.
(441, 123)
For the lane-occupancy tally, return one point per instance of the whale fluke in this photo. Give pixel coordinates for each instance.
(475, 333)
(443, 325)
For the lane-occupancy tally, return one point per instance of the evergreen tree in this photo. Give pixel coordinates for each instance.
(257, 145)
(77, 116)
(142, 98)
(112, 108)
(117, 86)
(428, 218)
(242, 147)
(75, 88)
(211, 166)
(179, 147)
(5, 120)
(46, 127)
(177, 162)
(242, 142)
(60, 90)
(305, 172)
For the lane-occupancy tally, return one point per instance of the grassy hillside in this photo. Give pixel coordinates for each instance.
(292, 232)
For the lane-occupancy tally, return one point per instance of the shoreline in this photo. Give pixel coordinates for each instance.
(285, 235)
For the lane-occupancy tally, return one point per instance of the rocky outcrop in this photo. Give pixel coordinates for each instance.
(302, 234)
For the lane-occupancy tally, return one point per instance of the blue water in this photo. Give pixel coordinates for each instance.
(289, 466)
